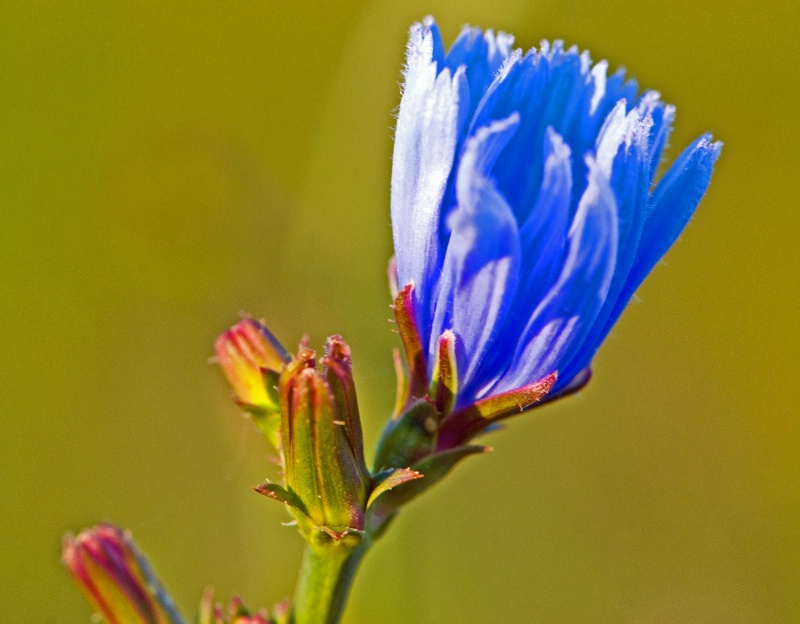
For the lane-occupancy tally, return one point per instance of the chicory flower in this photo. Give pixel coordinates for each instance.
(525, 212)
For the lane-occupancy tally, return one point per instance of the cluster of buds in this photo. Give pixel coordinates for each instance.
(309, 411)
(310, 414)
(116, 578)
(237, 613)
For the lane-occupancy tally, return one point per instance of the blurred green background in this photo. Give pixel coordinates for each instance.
(167, 166)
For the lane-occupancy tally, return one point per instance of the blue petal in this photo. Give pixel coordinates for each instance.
(567, 86)
(616, 128)
(554, 89)
(663, 116)
(602, 94)
(557, 329)
(437, 54)
(558, 89)
(482, 54)
(480, 213)
(482, 57)
(478, 120)
(543, 238)
(624, 156)
(519, 172)
(430, 118)
(673, 203)
(495, 104)
(482, 261)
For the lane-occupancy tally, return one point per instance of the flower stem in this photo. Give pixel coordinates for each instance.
(325, 578)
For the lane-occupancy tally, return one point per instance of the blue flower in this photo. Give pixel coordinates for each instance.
(525, 205)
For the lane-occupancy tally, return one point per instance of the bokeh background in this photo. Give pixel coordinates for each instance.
(166, 166)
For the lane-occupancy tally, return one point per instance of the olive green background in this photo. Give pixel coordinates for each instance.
(165, 166)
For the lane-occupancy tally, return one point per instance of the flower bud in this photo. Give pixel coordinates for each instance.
(245, 352)
(237, 613)
(116, 578)
(251, 359)
(321, 463)
(327, 486)
(326, 479)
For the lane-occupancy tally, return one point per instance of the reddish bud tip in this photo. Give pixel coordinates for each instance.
(245, 352)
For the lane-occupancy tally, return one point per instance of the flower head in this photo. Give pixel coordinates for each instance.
(525, 209)
(116, 578)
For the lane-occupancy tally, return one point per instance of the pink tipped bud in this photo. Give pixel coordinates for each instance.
(246, 352)
(116, 578)
(237, 613)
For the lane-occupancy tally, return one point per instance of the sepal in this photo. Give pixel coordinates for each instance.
(467, 422)
(577, 384)
(402, 383)
(412, 344)
(320, 463)
(431, 469)
(338, 370)
(444, 384)
(390, 479)
(283, 495)
(391, 275)
(312, 531)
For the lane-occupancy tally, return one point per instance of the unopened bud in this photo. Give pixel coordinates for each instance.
(325, 477)
(321, 464)
(246, 352)
(251, 359)
(116, 578)
(237, 613)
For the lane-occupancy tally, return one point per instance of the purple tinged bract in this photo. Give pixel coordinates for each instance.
(525, 207)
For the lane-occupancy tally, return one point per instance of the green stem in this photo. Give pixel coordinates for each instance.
(325, 578)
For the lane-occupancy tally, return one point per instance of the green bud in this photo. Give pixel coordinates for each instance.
(327, 482)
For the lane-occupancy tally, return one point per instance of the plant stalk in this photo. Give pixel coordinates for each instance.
(326, 575)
